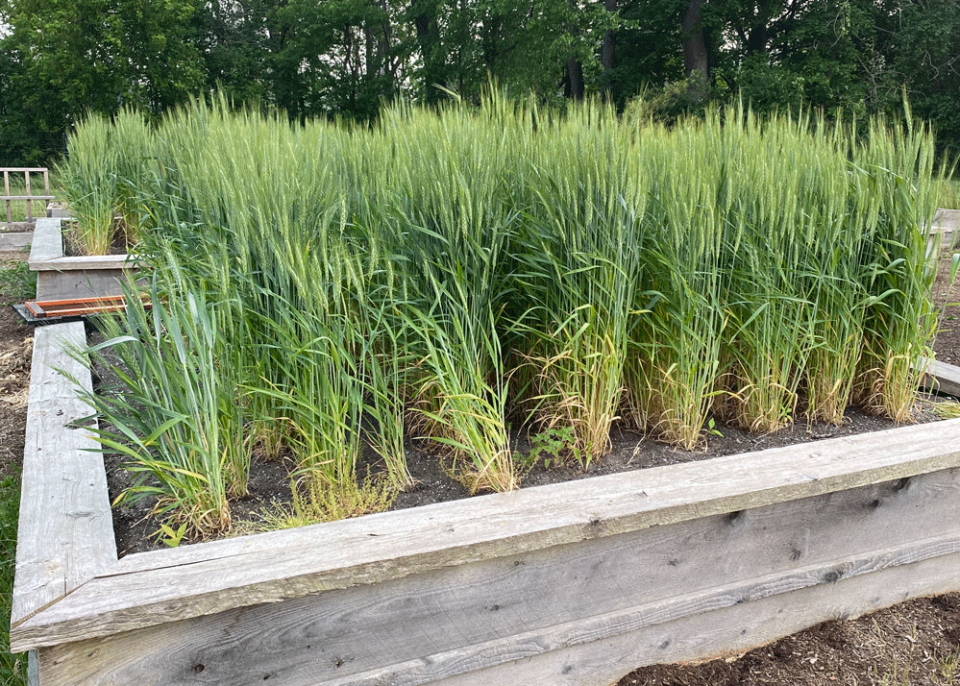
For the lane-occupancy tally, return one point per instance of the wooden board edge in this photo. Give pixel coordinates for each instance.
(50, 345)
(92, 610)
(631, 620)
(526, 642)
(791, 472)
(940, 377)
(15, 240)
(47, 242)
(85, 262)
(728, 631)
(607, 512)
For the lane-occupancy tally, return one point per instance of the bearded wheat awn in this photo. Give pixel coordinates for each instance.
(89, 180)
(448, 271)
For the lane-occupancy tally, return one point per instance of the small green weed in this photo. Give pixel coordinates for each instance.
(555, 446)
(17, 283)
(314, 502)
(13, 668)
(169, 537)
(712, 429)
(944, 673)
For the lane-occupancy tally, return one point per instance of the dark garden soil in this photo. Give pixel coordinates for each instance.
(16, 348)
(915, 643)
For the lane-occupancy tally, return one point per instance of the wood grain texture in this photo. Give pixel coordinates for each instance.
(47, 242)
(82, 262)
(941, 377)
(434, 625)
(16, 240)
(65, 532)
(61, 277)
(165, 586)
(728, 631)
(90, 283)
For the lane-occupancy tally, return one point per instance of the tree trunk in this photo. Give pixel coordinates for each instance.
(389, 66)
(609, 40)
(574, 80)
(428, 38)
(696, 59)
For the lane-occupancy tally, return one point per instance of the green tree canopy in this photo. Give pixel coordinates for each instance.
(70, 56)
(344, 58)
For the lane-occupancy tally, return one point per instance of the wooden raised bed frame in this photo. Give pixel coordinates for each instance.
(61, 277)
(575, 583)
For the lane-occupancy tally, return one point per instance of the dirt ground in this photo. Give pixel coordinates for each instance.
(16, 346)
(915, 643)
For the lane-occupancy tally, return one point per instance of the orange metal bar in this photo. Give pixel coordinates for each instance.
(76, 307)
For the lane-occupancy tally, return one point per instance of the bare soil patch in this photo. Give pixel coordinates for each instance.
(16, 348)
(911, 644)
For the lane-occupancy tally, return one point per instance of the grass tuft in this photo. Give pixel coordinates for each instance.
(13, 668)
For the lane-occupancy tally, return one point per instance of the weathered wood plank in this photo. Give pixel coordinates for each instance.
(82, 262)
(15, 240)
(730, 630)
(47, 243)
(164, 586)
(61, 277)
(65, 532)
(48, 252)
(947, 219)
(941, 377)
(27, 197)
(943, 231)
(443, 621)
(90, 283)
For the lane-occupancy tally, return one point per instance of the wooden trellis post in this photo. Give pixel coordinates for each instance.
(27, 196)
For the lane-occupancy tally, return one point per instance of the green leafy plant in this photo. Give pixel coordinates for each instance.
(712, 429)
(17, 283)
(175, 413)
(170, 537)
(89, 180)
(13, 668)
(948, 409)
(557, 446)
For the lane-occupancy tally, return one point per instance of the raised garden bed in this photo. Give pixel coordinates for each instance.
(575, 583)
(64, 277)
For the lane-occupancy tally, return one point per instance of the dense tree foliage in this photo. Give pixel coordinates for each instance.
(68, 56)
(60, 58)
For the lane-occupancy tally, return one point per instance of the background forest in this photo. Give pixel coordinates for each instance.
(344, 58)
